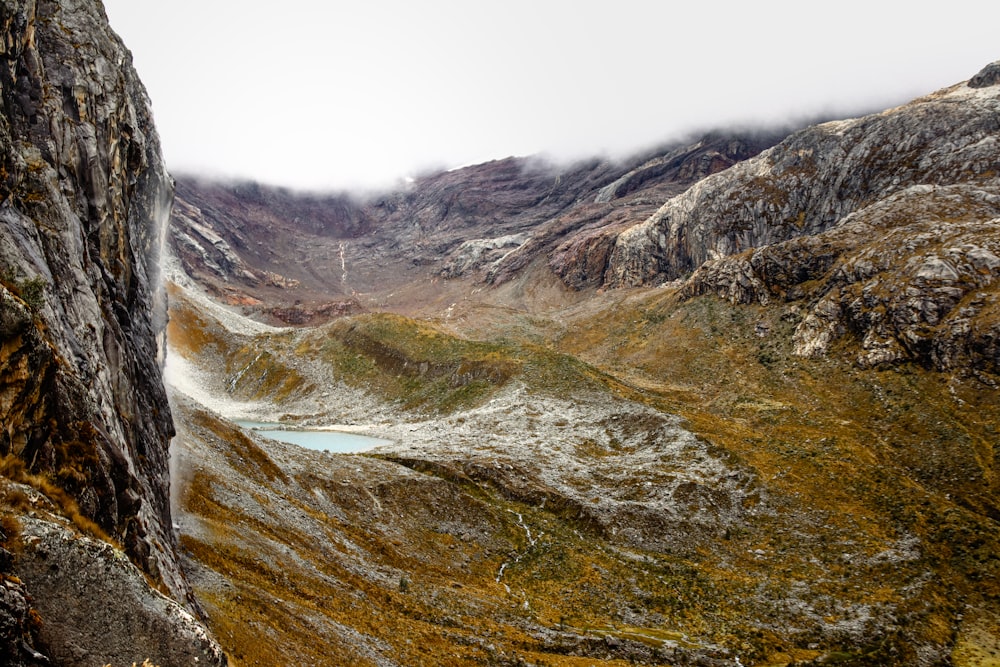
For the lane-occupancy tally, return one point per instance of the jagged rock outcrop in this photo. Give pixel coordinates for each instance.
(913, 277)
(484, 223)
(811, 181)
(17, 622)
(886, 225)
(475, 254)
(84, 201)
(577, 244)
(988, 76)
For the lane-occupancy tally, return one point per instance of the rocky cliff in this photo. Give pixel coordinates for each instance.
(84, 201)
(883, 227)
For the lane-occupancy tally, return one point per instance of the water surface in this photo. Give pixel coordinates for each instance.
(341, 442)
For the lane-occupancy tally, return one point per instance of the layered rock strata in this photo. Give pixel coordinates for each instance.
(84, 201)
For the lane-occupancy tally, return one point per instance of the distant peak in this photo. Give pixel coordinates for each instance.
(988, 76)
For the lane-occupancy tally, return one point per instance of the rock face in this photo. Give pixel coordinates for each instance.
(16, 625)
(912, 277)
(97, 608)
(84, 204)
(812, 181)
(989, 76)
(886, 226)
(479, 224)
(577, 243)
(84, 201)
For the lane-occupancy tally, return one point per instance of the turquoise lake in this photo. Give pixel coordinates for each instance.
(340, 442)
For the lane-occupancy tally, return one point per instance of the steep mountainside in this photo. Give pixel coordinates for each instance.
(733, 402)
(464, 542)
(801, 509)
(883, 228)
(886, 228)
(84, 420)
(481, 223)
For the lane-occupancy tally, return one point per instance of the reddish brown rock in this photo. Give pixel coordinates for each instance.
(484, 223)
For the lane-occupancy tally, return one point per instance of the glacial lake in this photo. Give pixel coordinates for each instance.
(339, 442)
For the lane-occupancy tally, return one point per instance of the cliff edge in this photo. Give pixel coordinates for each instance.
(84, 201)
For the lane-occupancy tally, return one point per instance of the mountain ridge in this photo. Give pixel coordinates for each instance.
(485, 222)
(609, 235)
(730, 402)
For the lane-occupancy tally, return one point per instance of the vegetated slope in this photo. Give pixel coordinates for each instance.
(84, 420)
(510, 444)
(481, 223)
(819, 499)
(804, 521)
(416, 366)
(329, 560)
(902, 451)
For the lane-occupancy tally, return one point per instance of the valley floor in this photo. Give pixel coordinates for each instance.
(693, 495)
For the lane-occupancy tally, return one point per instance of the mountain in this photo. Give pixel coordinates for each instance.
(482, 223)
(884, 228)
(731, 402)
(88, 543)
(818, 207)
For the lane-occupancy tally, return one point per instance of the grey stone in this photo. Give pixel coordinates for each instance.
(97, 608)
(84, 202)
(988, 76)
(884, 223)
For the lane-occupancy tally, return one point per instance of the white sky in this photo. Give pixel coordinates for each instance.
(336, 94)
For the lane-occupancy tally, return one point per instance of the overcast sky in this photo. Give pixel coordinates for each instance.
(333, 94)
